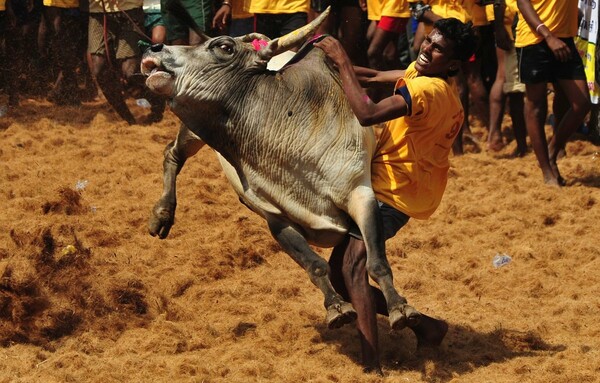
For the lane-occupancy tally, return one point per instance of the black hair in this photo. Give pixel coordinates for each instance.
(461, 34)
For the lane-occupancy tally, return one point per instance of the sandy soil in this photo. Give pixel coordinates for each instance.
(86, 295)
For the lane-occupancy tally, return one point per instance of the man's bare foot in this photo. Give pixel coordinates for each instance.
(552, 180)
(495, 146)
(556, 174)
(430, 332)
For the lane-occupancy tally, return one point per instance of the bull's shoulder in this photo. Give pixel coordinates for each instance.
(309, 60)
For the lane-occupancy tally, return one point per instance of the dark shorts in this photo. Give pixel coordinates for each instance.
(152, 19)
(277, 25)
(241, 27)
(25, 15)
(321, 5)
(121, 34)
(393, 220)
(199, 10)
(537, 64)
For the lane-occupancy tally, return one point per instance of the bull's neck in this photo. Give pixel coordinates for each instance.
(259, 116)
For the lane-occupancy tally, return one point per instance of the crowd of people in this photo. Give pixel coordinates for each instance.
(65, 50)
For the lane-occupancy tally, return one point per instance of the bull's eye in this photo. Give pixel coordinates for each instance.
(226, 48)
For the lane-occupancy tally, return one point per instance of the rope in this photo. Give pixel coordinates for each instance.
(105, 34)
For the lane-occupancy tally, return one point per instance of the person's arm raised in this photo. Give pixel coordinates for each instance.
(367, 112)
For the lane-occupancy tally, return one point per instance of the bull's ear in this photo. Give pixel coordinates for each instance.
(253, 36)
(292, 39)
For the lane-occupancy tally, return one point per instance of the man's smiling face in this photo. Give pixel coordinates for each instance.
(435, 57)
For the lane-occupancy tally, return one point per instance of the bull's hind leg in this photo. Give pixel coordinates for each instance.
(363, 208)
(176, 153)
(339, 312)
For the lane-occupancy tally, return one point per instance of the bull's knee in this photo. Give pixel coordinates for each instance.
(318, 269)
(378, 268)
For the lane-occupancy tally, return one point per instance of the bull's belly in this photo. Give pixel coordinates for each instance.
(322, 223)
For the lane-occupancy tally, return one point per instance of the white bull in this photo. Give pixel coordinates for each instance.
(290, 146)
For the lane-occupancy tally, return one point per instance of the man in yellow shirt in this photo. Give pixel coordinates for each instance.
(506, 84)
(419, 123)
(391, 18)
(470, 84)
(276, 18)
(547, 53)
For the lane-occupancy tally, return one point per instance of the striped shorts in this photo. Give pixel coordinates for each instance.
(120, 32)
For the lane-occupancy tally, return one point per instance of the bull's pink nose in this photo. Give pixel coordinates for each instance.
(156, 47)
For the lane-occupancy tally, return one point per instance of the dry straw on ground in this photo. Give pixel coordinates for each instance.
(86, 295)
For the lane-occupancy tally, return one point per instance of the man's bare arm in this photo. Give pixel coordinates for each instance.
(367, 112)
(369, 78)
(559, 48)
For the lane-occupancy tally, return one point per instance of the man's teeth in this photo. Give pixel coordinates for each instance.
(423, 58)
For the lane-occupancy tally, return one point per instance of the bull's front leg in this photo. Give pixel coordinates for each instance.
(176, 153)
(364, 209)
(339, 312)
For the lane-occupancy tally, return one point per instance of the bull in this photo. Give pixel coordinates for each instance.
(289, 144)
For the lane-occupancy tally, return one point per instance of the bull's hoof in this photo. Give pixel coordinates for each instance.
(340, 314)
(374, 370)
(402, 316)
(161, 221)
(430, 332)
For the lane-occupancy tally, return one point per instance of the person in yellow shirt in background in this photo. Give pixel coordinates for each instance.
(547, 53)
(233, 18)
(507, 84)
(275, 18)
(468, 80)
(62, 19)
(419, 123)
(389, 18)
(348, 22)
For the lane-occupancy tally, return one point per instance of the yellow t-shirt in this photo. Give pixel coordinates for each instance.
(2, 5)
(62, 3)
(389, 8)
(279, 6)
(459, 9)
(560, 16)
(478, 14)
(509, 15)
(410, 166)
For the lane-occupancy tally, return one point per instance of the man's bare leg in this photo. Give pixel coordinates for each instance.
(535, 116)
(578, 99)
(349, 278)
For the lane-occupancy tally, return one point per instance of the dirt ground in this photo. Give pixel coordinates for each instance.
(86, 295)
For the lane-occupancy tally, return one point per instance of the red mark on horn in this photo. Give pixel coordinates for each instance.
(259, 44)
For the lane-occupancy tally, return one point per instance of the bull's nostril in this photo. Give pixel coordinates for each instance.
(156, 47)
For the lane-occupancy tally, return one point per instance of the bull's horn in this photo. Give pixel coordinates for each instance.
(289, 41)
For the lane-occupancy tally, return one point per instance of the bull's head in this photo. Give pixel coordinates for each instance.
(165, 65)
